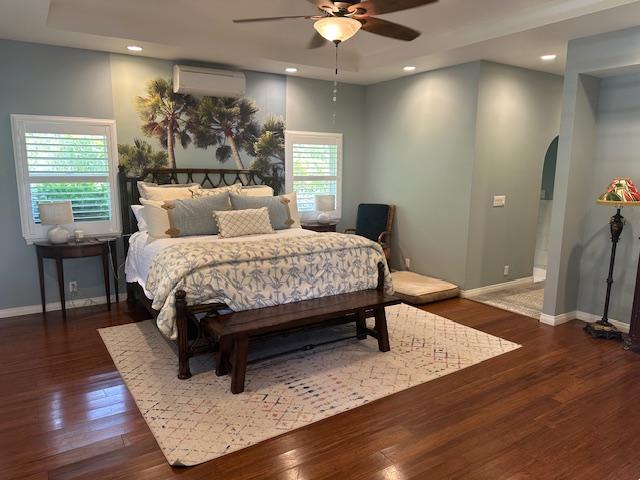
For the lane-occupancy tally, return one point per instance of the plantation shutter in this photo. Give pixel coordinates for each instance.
(70, 167)
(67, 159)
(314, 167)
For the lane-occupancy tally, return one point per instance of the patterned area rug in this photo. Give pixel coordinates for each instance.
(524, 299)
(199, 419)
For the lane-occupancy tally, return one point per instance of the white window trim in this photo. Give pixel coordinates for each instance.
(323, 137)
(30, 230)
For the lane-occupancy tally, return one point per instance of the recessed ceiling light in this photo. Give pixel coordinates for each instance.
(548, 58)
(409, 68)
(134, 48)
(291, 69)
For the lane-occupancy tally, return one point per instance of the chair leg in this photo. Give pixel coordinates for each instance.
(381, 330)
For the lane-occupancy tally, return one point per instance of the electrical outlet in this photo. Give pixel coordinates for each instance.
(499, 200)
(73, 287)
(407, 263)
(506, 270)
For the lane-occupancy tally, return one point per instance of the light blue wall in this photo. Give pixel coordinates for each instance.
(518, 117)
(439, 145)
(420, 136)
(586, 162)
(616, 154)
(310, 108)
(43, 80)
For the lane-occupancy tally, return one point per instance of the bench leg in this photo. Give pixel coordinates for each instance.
(361, 325)
(239, 367)
(222, 356)
(381, 330)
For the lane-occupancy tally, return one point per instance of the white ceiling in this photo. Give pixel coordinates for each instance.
(514, 32)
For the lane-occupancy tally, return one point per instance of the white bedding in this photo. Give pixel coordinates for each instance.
(142, 253)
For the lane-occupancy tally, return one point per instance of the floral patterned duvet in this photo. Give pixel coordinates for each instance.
(262, 273)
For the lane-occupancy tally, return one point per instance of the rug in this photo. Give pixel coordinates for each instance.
(526, 300)
(199, 419)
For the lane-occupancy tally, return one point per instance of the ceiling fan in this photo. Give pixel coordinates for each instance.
(341, 20)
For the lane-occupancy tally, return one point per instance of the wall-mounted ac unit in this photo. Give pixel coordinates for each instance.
(209, 82)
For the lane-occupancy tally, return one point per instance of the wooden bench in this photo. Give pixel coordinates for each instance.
(235, 329)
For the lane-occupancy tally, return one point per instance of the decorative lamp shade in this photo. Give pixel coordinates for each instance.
(337, 29)
(55, 213)
(621, 192)
(325, 203)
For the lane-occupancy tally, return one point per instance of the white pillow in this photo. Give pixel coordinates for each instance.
(257, 191)
(137, 212)
(155, 203)
(157, 221)
(238, 223)
(209, 192)
(152, 191)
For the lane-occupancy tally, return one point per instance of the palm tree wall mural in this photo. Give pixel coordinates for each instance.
(139, 156)
(228, 125)
(268, 151)
(166, 115)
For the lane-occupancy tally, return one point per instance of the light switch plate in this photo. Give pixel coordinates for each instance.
(499, 200)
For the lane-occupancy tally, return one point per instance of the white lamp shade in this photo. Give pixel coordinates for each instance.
(337, 29)
(55, 213)
(325, 203)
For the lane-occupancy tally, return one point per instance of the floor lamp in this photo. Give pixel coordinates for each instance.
(621, 192)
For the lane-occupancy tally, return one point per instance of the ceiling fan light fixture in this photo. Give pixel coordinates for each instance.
(337, 29)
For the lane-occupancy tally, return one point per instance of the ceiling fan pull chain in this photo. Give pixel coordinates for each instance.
(335, 87)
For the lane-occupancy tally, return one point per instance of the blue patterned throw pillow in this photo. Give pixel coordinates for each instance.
(194, 216)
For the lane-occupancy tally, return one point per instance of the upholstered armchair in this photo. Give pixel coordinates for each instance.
(375, 222)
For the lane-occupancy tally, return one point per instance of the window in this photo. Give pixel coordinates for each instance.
(60, 158)
(314, 167)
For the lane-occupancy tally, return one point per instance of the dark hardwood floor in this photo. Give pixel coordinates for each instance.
(563, 406)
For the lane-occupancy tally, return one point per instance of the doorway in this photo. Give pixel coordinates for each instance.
(527, 297)
(544, 213)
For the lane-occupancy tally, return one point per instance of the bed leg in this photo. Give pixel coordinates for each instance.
(131, 296)
(182, 321)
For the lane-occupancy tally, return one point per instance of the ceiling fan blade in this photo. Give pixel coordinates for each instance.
(317, 41)
(388, 29)
(378, 7)
(326, 5)
(270, 19)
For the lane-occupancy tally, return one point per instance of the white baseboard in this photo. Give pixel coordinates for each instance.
(555, 320)
(493, 288)
(30, 309)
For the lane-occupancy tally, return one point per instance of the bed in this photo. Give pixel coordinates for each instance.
(183, 281)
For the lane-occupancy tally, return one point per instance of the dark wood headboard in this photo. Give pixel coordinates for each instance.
(207, 177)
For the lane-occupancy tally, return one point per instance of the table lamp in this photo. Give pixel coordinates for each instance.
(324, 205)
(621, 192)
(57, 214)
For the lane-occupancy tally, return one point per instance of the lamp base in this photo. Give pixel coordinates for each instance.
(58, 235)
(324, 218)
(603, 329)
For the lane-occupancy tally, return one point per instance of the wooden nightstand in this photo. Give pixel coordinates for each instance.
(320, 227)
(90, 247)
